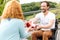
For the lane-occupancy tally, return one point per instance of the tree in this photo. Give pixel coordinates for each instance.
(2, 4)
(35, 6)
(53, 4)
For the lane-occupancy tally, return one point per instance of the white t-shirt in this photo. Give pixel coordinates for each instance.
(45, 20)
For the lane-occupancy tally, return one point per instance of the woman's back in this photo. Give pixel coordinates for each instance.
(12, 29)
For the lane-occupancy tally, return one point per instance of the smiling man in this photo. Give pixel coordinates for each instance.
(47, 22)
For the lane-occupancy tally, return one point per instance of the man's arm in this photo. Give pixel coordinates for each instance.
(51, 22)
(34, 20)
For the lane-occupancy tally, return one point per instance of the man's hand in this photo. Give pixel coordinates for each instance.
(30, 29)
(38, 27)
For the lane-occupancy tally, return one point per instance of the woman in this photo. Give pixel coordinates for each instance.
(12, 25)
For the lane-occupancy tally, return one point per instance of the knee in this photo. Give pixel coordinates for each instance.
(45, 34)
(33, 33)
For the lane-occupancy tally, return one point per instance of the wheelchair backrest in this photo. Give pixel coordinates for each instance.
(56, 24)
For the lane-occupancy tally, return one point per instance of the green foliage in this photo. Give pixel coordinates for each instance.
(58, 6)
(2, 4)
(35, 6)
(30, 16)
(1, 1)
(53, 4)
(30, 7)
(57, 12)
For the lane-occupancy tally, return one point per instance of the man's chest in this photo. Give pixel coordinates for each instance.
(44, 20)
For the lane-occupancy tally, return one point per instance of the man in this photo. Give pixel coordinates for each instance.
(47, 22)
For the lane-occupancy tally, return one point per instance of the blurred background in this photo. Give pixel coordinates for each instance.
(32, 7)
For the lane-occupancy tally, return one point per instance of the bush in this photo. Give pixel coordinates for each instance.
(57, 12)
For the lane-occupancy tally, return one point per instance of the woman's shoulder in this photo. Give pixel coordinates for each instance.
(11, 20)
(16, 20)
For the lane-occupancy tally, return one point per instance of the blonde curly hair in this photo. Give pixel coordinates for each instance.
(12, 10)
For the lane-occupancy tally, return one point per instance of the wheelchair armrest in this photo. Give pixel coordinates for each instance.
(53, 29)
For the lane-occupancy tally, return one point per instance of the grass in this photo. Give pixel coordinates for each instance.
(30, 16)
(29, 38)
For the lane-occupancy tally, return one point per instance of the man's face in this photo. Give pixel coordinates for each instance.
(44, 7)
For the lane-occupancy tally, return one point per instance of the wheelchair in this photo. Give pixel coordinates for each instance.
(53, 37)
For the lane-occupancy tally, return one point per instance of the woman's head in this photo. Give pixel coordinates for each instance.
(12, 10)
